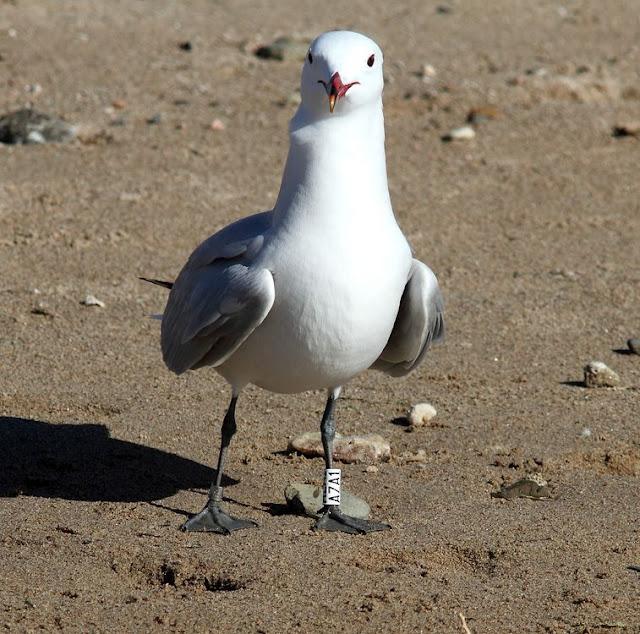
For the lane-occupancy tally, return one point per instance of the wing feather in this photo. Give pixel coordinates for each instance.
(219, 298)
(419, 323)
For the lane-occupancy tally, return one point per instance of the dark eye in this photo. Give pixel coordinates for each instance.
(310, 57)
(370, 61)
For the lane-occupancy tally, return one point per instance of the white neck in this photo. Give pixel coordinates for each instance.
(334, 161)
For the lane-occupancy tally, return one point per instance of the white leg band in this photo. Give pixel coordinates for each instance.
(332, 479)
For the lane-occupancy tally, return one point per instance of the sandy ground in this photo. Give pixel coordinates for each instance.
(532, 228)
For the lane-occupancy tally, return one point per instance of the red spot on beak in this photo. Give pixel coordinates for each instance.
(336, 89)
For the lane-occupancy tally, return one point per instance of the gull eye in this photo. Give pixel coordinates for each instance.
(370, 61)
(310, 57)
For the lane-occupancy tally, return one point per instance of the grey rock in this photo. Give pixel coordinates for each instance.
(28, 126)
(634, 345)
(531, 486)
(368, 448)
(307, 499)
(597, 374)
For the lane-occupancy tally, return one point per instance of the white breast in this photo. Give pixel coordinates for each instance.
(336, 303)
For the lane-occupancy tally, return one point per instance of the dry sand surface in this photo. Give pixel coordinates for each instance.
(533, 228)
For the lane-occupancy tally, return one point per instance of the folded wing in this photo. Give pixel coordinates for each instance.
(420, 322)
(219, 298)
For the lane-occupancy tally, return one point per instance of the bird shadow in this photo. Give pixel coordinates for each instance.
(275, 509)
(81, 461)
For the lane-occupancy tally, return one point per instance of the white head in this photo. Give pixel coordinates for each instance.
(342, 72)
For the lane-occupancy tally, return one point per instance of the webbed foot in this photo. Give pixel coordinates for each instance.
(333, 519)
(212, 519)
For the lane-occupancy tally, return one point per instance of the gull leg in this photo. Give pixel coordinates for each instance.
(332, 518)
(212, 518)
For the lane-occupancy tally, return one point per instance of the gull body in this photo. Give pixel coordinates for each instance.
(323, 286)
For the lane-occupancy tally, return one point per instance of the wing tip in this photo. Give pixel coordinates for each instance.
(162, 283)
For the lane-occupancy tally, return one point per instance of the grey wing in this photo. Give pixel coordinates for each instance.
(219, 298)
(419, 323)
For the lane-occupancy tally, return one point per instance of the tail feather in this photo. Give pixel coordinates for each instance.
(168, 285)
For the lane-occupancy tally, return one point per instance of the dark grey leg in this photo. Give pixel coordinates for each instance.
(212, 519)
(332, 518)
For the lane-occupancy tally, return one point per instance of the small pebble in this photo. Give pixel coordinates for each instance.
(294, 99)
(372, 469)
(630, 128)
(531, 486)
(119, 104)
(420, 414)
(307, 499)
(368, 448)
(217, 124)
(30, 126)
(155, 119)
(130, 197)
(634, 345)
(35, 136)
(185, 46)
(597, 374)
(41, 308)
(465, 133)
(428, 72)
(284, 48)
(483, 113)
(90, 300)
(586, 433)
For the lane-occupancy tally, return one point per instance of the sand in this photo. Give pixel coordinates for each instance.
(532, 228)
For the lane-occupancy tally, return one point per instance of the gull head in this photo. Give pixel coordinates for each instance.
(342, 72)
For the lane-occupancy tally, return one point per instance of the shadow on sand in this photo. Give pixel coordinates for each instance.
(77, 461)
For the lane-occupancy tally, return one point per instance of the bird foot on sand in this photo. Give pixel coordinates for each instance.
(333, 519)
(212, 519)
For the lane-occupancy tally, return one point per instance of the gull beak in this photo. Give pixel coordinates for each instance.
(332, 100)
(336, 89)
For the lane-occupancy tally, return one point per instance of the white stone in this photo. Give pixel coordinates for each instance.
(598, 374)
(420, 414)
(428, 71)
(90, 300)
(465, 133)
(368, 448)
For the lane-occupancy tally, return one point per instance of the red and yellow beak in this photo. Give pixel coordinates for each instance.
(336, 89)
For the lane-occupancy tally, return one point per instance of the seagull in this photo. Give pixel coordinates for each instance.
(310, 294)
